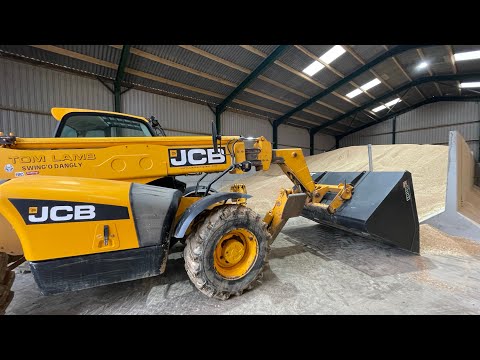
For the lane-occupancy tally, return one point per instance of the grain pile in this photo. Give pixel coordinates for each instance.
(434, 241)
(427, 163)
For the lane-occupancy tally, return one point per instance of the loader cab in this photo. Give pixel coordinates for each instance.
(79, 123)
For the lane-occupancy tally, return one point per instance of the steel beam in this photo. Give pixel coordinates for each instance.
(394, 130)
(388, 54)
(269, 60)
(117, 85)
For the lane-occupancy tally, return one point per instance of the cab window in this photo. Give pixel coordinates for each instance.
(91, 125)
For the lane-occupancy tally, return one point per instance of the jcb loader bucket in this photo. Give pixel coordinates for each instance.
(382, 207)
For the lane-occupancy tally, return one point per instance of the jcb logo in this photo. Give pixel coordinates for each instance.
(193, 157)
(61, 213)
(40, 211)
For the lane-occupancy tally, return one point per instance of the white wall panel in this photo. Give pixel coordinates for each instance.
(174, 114)
(234, 123)
(35, 90)
(429, 124)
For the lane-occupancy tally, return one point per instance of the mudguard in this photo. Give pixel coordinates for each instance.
(191, 213)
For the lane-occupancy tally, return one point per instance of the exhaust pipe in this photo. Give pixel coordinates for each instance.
(382, 207)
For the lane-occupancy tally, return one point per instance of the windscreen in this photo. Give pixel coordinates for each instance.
(92, 125)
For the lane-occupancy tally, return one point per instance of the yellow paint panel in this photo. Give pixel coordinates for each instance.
(137, 163)
(59, 113)
(58, 240)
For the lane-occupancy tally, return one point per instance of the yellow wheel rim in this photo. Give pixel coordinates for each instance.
(235, 253)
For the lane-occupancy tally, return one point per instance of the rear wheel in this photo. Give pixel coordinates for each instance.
(6, 282)
(226, 253)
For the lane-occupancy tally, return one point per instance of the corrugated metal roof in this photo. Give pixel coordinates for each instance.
(267, 49)
(102, 52)
(324, 110)
(59, 60)
(285, 77)
(235, 54)
(337, 102)
(254, 99)
(428, 89)
(171, 73)
(132, 79)
(275, 91)
(195, 61)
(390, 73)
(468, 66)
(368, 52)
(253, 110)
(439, 59)
(449, 88)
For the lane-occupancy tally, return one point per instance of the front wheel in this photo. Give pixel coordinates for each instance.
(226, 254)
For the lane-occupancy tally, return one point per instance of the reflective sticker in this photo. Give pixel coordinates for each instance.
(407, 190)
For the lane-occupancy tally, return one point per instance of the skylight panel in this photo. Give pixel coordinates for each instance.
(313, 68)
(393, 102)
(354, 93)
(332, 54)
(468, 55)
(381, 107)
(473, 84)
(370, 84)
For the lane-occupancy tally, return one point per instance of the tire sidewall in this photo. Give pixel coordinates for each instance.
(239, 284)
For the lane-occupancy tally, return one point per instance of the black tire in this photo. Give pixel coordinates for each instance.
(201, 244)
(6, 281)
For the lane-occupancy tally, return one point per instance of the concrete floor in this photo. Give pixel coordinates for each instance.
(336, 274)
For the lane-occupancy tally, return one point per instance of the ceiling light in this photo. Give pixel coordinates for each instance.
(354, 93)
(422, 65)
(393, 102)
(370, 84)
(469, 55)
(474, 84)
(313, 68)
(381, 107)
(332, 54)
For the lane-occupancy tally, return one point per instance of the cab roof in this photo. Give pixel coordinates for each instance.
(59, 113)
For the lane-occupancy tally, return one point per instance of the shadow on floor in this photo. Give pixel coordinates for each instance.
(371, 257)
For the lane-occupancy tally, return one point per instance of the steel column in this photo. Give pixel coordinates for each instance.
(117, 85)
(394, 129)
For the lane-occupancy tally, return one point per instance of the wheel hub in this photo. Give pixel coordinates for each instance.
(232, 252)
(235, 253)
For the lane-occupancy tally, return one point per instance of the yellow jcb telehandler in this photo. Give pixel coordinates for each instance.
(99, 204)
